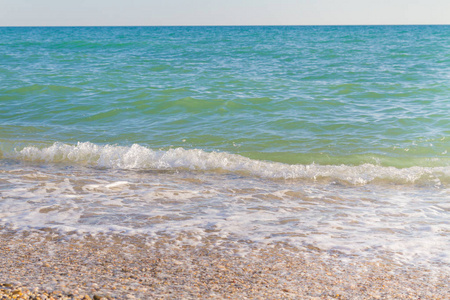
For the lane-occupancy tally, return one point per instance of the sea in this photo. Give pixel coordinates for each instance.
(323, 138)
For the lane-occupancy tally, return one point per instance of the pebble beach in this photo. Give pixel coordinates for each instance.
(47, 265)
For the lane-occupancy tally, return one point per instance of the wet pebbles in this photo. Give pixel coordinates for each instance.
(50, 266)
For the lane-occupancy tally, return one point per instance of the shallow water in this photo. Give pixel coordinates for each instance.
(326, 138)
(400, 223)
(329, 95)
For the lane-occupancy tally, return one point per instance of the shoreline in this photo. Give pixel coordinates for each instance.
(129, 267)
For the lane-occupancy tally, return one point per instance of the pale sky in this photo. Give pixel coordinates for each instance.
(221, 12)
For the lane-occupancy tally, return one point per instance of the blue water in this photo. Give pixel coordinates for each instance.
(243, 127)
(328, 95)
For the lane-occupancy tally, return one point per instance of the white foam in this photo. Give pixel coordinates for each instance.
(407, 224)
(139, 157)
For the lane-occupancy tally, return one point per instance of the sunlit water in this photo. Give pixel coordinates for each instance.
(327, 138)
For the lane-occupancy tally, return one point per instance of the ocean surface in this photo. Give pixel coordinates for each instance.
(330, 139)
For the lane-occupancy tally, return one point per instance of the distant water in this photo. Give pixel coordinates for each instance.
(334, 138)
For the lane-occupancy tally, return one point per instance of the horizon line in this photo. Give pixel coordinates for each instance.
(267, 25)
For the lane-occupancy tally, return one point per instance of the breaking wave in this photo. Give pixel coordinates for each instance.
(137, 157)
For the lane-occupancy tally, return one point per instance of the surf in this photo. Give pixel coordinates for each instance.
(141, 158)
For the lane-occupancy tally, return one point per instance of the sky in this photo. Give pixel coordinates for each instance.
(221, 12)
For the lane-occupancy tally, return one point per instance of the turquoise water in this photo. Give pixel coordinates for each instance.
(297, 95)
(226, 120)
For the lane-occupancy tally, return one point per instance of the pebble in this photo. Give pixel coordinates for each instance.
(95, 269)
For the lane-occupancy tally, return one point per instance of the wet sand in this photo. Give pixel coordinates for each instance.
(47, 265)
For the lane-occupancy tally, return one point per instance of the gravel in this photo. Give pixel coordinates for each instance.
(48, 265)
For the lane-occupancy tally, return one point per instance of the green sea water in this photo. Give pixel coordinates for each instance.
(297, 95)
(331, 137)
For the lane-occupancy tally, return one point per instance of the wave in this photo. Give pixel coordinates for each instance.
(137, 157)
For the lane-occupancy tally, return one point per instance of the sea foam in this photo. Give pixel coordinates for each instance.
(137, 157)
